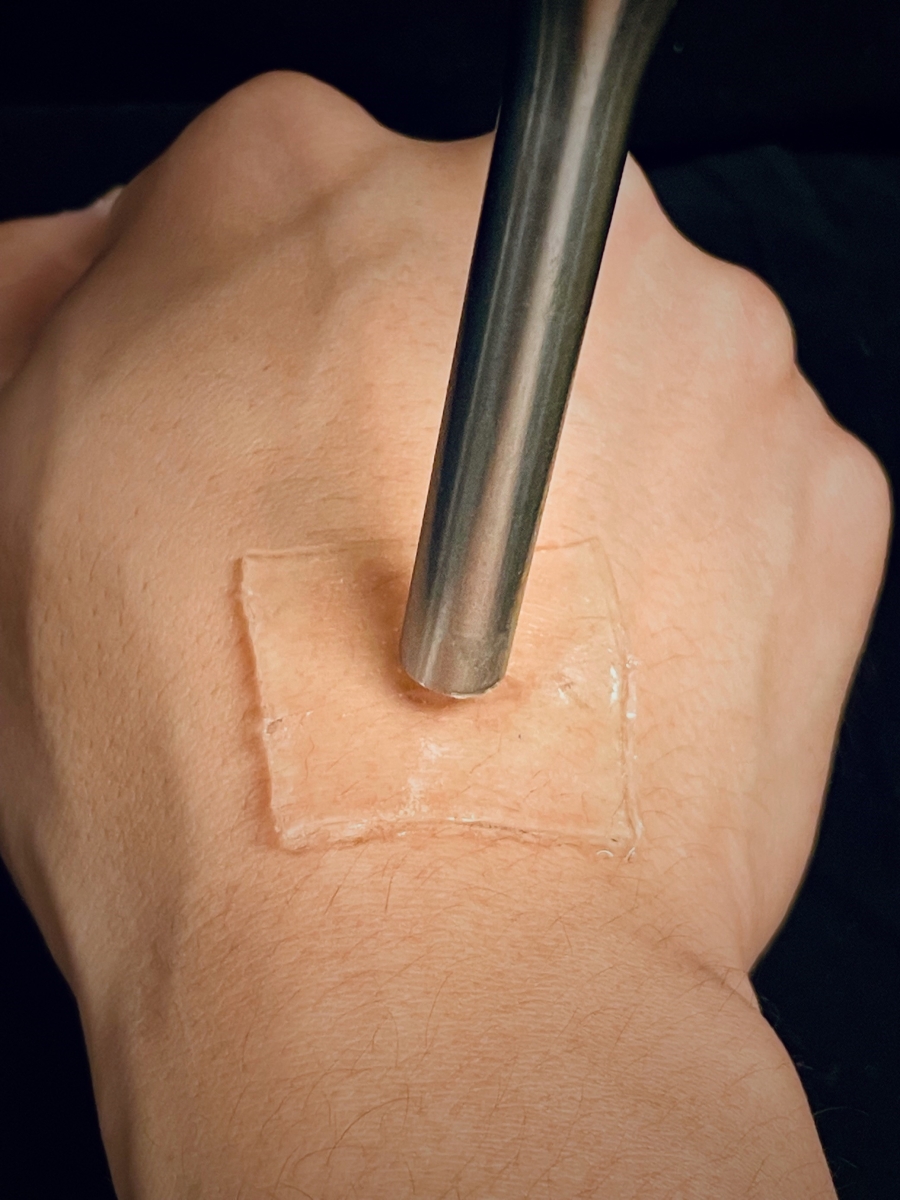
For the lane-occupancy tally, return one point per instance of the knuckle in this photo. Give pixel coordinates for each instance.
(854, 495)
(296, 122)
(765, 333)
(866, 477)
(270, 147)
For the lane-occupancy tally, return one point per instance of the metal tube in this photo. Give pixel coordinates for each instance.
(554, 176)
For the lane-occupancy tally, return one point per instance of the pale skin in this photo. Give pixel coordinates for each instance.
(251, 351)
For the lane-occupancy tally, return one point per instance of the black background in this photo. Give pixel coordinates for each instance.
(772, 132)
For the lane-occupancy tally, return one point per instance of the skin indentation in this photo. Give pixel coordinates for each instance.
(356, 749)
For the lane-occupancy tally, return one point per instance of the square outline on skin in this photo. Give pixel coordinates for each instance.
(546, 756)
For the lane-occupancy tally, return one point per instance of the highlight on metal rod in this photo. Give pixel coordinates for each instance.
(554, 176)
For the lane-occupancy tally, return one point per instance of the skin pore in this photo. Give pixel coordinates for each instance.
(256, 360)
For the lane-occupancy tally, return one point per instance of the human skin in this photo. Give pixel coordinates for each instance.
(257, 358)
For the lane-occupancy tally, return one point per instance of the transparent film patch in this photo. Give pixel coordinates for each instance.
(356, 749)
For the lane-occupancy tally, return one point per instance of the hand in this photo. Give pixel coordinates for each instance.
(258, 358)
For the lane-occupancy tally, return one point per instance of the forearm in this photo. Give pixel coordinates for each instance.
(469, 1017)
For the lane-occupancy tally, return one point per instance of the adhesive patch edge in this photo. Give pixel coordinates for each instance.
(356, 750)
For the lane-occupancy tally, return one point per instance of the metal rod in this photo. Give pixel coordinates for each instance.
(553, 181)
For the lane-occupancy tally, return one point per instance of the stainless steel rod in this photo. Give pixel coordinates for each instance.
(553, 181)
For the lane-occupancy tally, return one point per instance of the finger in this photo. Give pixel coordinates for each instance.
(41, 259)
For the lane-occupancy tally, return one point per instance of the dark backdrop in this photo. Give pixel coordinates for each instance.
(772, 132)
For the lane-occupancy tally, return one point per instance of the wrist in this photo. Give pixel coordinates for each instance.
(396, 1016)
